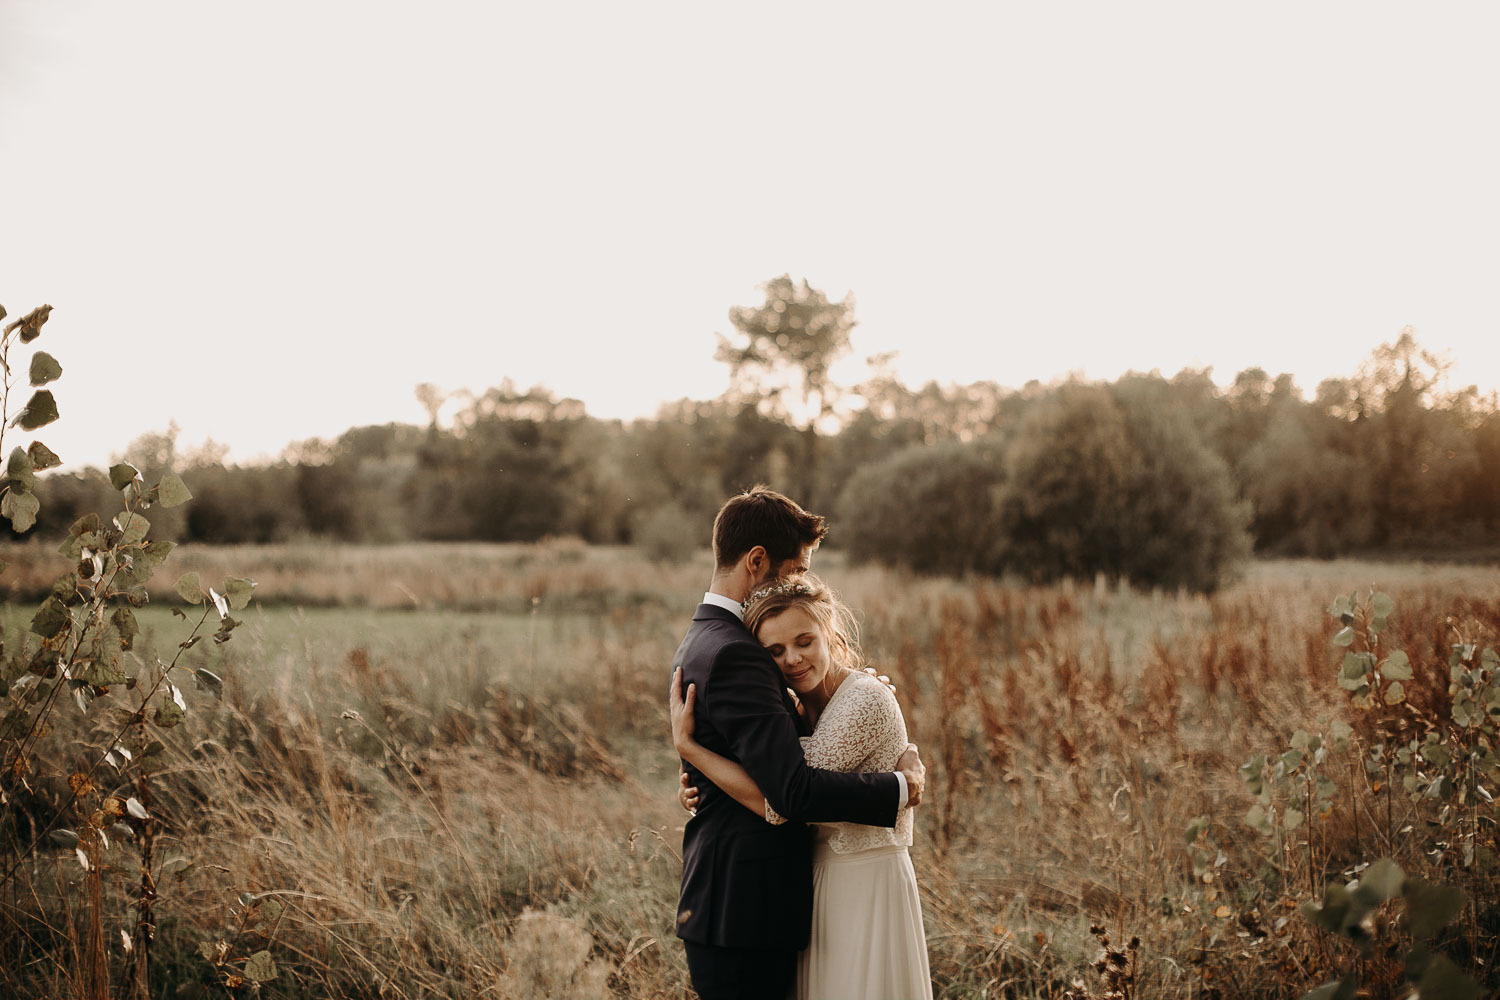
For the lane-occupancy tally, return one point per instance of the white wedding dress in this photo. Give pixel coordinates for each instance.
(867, 937)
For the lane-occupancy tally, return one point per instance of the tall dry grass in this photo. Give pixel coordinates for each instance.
(400, 820)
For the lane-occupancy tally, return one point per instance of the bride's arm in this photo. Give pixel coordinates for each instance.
(729, 776)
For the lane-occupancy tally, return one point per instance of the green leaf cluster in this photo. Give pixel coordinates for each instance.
(18, 504)
(1368, 680)
(1475, 688)
(1346, 911)
(1289, 785)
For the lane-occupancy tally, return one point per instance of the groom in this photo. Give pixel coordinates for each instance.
(746, 905)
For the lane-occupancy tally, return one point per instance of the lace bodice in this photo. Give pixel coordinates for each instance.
(860, 730)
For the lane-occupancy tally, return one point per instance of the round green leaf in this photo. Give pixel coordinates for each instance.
(1330, 915)
(42, 457)
(44, 368)
(1381, 881)
(20, 508)
(189, 589)
(1429, 908)
(1397, 667)
(133, 528)
(40, 410)
(51, 618)
(1257, 819)
(30, 325)
(237, 591)
(172, 708)
(1442, 980)
(171, 491)
(122, 475)
(260, 967)
(20, 471)
(124, 622)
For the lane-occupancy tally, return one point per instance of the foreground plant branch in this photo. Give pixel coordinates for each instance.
(81, 643)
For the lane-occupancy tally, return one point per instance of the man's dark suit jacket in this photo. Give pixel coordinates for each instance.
(745, 882)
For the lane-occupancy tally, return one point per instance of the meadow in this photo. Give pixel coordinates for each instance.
(445, 771)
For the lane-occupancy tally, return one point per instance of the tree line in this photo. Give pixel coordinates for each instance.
(1165, 480)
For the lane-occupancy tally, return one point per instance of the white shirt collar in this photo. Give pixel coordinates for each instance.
(727, 603)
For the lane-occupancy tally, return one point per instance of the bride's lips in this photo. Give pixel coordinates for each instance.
(797, 675)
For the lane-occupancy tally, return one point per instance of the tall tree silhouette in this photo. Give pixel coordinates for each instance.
(785, 348)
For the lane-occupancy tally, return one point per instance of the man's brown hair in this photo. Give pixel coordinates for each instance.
(761, 516)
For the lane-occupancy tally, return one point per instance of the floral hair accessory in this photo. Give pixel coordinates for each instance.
(789, 588)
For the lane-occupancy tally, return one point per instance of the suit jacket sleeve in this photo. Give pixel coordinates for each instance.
(743, 699)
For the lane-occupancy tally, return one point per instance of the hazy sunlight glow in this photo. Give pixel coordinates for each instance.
(271, 222)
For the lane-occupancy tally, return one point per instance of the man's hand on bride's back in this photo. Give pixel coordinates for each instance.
(911, 766)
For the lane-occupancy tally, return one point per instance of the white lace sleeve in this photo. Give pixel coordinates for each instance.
(862, 730)
(859, 730)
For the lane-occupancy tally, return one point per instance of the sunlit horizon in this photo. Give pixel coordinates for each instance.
(574, 197)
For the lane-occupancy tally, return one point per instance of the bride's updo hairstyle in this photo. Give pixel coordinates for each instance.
(811, 594)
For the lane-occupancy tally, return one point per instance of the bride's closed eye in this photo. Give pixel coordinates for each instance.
(803, 641)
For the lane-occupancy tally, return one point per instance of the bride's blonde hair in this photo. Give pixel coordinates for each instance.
(810, 593)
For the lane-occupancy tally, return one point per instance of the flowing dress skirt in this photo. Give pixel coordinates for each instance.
(867, 938)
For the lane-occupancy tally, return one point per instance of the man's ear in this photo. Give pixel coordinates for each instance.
(756, 561)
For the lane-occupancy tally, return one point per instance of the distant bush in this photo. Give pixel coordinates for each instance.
(930, 508)
(668, 534)
(1102, 481)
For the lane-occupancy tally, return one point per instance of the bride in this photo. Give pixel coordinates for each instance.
(867, 938)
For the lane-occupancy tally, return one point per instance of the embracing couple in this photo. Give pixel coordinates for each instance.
(796, 881)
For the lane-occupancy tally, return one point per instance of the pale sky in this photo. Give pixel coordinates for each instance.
(270, 221)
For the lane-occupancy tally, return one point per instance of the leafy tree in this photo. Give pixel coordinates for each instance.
(1309, 495)
(674, 459)
(244, 505)
(1068, 459)
(929, 508)
(510, 470)
(1480, 503)
(668, 534)
(785, 348)
(1097, 482)
(865, 441)
(1184, 524)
